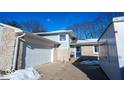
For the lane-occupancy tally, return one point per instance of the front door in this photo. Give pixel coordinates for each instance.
(78, 51)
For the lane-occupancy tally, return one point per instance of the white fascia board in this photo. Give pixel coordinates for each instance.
(14, 28)
(117, 19)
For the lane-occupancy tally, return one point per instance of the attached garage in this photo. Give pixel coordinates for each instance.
(36, 55)
(35, 51)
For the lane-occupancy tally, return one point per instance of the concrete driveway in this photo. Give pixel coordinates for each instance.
(61, 71)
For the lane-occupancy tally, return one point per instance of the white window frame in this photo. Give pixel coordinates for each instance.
(65, 37)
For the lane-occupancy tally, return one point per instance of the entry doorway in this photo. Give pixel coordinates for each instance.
(78, 51)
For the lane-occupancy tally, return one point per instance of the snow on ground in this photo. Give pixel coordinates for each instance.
(90, 62)
(23, 74)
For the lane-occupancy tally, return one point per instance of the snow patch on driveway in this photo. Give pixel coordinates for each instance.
(90, 62)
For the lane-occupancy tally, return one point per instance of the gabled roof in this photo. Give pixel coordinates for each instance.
(70, 32)
(14, 28)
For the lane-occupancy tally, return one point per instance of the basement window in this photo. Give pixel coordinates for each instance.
(62, 37)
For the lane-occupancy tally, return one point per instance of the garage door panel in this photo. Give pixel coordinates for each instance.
(37, 55)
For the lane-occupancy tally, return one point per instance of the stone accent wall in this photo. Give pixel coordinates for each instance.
(7, 48)
(87, 51)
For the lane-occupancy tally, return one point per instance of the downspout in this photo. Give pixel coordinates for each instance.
(15, 52)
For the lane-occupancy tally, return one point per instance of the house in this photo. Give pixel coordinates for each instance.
(111, 51)
(20, 50)
(87, 47)
(65, 38)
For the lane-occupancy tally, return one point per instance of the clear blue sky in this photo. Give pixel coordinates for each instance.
(51, 20)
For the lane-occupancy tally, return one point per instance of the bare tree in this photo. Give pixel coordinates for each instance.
(33, 26)
(94, 29)
(12, 23)
(30, 26)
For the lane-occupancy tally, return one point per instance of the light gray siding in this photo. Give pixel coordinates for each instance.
(52, 37)
(63, 44)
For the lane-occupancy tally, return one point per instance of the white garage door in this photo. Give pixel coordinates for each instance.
(36, 55)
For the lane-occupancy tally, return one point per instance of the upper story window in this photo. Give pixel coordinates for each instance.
(62, 37)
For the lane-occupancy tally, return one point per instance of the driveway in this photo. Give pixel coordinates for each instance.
(61, 71)
(90, 66)
(71, 71)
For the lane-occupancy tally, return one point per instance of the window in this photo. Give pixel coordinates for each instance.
(95, 49)
(62, 37)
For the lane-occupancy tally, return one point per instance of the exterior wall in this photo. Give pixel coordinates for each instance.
(73, 50)
(62, 55)
(52, 37)
(108, 55)
(88, 51)
(55, 59)
(7, 47)
(64, 44)
(119, 27)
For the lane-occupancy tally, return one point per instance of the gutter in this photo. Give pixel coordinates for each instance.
(15, 52)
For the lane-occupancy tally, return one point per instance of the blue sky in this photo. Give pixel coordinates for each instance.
(51, 20)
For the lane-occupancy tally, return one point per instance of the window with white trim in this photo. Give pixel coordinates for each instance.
(62, 37)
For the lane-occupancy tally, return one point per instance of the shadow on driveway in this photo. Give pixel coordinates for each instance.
(93, 71)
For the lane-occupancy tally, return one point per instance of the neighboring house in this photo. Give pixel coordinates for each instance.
(111, 49)
(87, 47)
(65, 38)
(20, 50)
